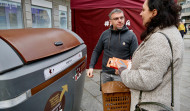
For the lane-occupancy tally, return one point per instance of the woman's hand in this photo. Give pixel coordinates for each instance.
(120, 64)
(116, 71)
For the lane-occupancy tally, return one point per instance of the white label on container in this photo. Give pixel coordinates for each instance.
(54, 70)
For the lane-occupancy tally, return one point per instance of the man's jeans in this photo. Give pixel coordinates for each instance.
(105, 77)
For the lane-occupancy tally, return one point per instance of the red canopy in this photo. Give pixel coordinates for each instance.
(90, 4)
(90, 19)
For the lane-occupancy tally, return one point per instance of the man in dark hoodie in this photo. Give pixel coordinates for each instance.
(118, 41)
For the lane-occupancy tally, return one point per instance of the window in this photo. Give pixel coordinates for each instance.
(188, 10)
(41, 17)
(10, 15)
(63, 19)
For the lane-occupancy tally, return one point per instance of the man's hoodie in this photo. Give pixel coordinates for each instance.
(115, 43)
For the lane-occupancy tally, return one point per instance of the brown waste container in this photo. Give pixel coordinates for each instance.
(41, 69)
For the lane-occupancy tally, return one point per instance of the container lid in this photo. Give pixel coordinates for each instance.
(114, 87)
(36, 43)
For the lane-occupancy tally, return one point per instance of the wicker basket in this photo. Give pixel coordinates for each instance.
(116, 96)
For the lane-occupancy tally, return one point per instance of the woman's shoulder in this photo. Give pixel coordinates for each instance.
(158, 37)
(171, 32)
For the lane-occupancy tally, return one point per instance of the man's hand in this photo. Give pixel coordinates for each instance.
(89, 73)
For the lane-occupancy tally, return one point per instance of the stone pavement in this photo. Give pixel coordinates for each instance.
(92, 97)
(185, 77)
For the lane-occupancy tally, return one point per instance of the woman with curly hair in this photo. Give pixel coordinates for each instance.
(151, 62)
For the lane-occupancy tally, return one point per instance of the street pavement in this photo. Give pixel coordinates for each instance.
(92, 96)
(185, 77)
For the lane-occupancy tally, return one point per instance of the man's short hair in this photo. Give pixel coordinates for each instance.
(116, 10)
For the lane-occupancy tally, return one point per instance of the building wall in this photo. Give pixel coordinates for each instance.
(69, 15)
(185, 13)
(53, 6)
(27, 18)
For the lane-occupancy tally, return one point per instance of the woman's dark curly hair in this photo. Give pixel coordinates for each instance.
(167, 15)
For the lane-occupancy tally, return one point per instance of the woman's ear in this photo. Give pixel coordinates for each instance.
(154, 12)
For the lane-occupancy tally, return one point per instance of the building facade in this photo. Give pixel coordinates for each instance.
(185, 13)
(15, 14)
